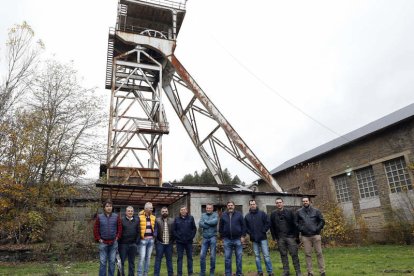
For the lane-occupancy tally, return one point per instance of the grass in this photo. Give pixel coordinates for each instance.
(376, 260)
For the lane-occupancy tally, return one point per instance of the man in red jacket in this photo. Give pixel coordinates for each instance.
(107, 231)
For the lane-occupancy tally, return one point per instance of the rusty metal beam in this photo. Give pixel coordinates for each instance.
(224, 124)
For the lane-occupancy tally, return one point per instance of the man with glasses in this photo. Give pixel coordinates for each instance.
(310, 223)
(284, 231)
(257, 225)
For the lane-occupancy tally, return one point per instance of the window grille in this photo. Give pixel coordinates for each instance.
(397, 175)
(343, 193)
(366, 182)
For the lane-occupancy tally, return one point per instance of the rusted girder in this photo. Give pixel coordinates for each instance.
(224, 124)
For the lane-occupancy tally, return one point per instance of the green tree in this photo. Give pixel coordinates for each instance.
(236, 180)
(207, 178)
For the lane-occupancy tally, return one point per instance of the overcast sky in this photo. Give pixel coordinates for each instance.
(277, 70)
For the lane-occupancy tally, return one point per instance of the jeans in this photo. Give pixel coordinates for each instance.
(229, 246)
(286, 244)
(265, 250)
(315, 242)
(145, 251)
(206, 243)
(107, 253)
(128, 250)
(160, 250)
(188, 247)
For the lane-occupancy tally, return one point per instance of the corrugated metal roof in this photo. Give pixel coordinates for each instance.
(212, 187)
(375, 126)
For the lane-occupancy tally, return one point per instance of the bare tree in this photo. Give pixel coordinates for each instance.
(69, 117)
(22, 57)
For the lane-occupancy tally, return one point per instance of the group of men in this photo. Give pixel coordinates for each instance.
(131, 235)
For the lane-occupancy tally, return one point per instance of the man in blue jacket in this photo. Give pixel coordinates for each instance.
(184, 233)
(233, 231)
(107, 231)
(257, 224)
(208, 224)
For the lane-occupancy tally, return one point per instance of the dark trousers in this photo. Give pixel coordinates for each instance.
(188, 247)
(128, 250)
(286, 244)
(163, 249)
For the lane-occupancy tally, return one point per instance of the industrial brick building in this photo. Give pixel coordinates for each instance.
(366, 171)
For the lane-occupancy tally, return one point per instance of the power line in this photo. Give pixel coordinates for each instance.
(277, 93)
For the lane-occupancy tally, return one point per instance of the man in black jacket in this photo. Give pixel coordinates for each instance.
(233, 231)
(164, 241)
(310, 223)
(184, 233)
(284, 231)
(129, 239)
(257, 225)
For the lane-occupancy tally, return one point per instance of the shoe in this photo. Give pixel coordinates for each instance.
(259, 273)
(310, 274)
(323, 274)
(271, 274)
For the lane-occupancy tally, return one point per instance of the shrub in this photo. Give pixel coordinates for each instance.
(337, 229)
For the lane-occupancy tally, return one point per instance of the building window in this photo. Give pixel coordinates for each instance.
(366, 182)
(343, 193)
(397, 175)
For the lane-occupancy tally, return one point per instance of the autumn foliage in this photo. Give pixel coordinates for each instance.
(48, 134)
(337, 229)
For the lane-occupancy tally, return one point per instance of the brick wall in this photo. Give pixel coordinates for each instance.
(315, 176)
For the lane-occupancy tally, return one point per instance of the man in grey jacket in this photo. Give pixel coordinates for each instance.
(208, 224)
(310, 222)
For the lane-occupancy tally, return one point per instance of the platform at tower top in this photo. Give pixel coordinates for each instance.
(178, 4)
(138, 15)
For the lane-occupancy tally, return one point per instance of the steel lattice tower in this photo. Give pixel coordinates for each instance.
(141, 65)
